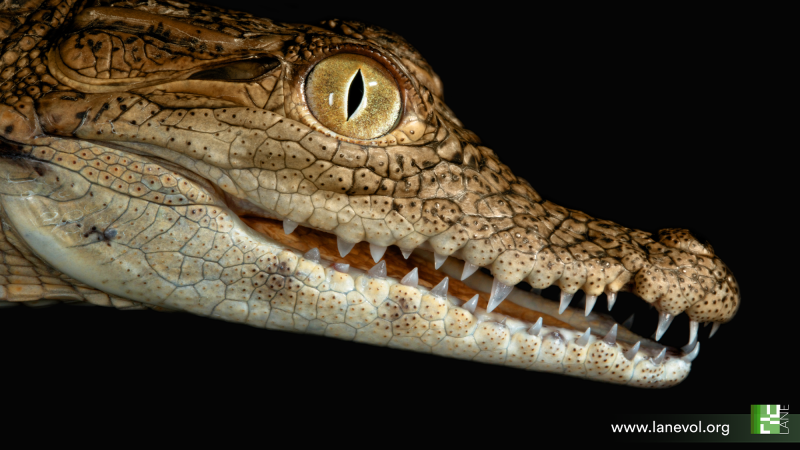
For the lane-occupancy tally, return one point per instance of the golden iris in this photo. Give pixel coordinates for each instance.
(353, 95)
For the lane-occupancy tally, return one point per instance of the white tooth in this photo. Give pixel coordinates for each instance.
(503, 322)
(377, 251)
(499, 293)
(565, 299)
(471, 304)
(660, 358)
(630, 354)
(411, 278)
(440, 290)
(438, 260)
(536, 328)
(628, 322)
(590, 301)
(611, 337)
(714, 329)
(378, 271)
(664, 321)
(688, 348)
(339, 267)
(312, 255)
(584, 339)
(705, 324)
(536, 291)
(693, 354)
(289, 226)
(406, 253)
(344, 246)
(693, 326)
(469, 269)
(612, 298)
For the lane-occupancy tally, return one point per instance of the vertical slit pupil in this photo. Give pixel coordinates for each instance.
(355, 94)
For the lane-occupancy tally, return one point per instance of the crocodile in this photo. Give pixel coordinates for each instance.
(181, 157)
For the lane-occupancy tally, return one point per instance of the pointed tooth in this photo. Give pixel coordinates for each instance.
(565, 299)
(289, 226)
(499, 293)
(536, 328)
(411, 278)
(628, 322)
(377, 251)
(378, 270)
(590, 301)
(612, 298)
(660, 358)
(438, 260)
(469, 269)
(440, 290)
(611, 337)
(344, 246)
(536, 291)
(688, 348)
(471, 304)
(503, 322)
(340, 267)
(689, 357)
(312, 255)
(664, 321)
(584, 339)
(705, 324)
(714, 329)
(693, 327)
(406, 253)
(630, 354)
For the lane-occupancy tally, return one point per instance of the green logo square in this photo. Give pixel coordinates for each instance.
(769, 419)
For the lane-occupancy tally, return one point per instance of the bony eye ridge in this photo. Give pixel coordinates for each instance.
(354, 96)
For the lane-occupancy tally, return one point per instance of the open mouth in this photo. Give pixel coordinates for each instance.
(575, 337)
(383, 295)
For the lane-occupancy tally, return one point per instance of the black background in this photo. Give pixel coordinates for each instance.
(649, 123)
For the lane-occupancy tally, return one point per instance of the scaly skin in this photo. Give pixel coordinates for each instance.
(113, 158)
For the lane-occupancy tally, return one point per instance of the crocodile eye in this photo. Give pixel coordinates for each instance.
(354, 96)
(239, 70)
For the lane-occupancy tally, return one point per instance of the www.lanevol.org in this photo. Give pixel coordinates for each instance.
(723, 429)
(765, 423)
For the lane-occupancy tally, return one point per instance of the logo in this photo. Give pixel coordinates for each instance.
(769, 419)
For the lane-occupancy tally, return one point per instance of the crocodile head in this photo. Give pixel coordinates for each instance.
(310, 179)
